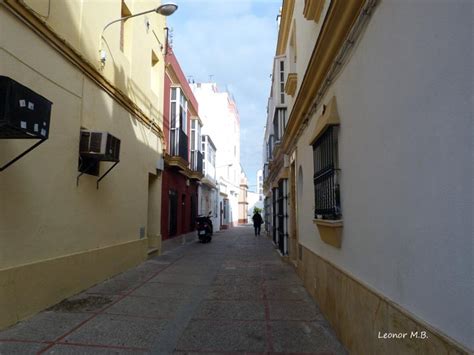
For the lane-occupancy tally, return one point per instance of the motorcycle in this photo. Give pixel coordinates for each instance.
(204, 228)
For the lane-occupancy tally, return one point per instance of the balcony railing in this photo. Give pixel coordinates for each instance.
(196, 161)
(179, 143)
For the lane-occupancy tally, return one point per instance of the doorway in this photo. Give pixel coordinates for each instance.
(173, 212)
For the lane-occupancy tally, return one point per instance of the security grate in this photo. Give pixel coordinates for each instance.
(326, 186)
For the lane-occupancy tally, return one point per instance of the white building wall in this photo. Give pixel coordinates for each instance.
(405, 148)
(260, 184)
(222, 123)
(254, 201)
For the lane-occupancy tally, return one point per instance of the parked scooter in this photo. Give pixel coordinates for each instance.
(204, 228)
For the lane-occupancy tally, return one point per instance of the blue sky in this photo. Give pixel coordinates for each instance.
(234, 41)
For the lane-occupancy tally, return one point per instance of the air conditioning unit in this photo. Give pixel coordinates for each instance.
(23, 112)
(99, 145)
(160, 163)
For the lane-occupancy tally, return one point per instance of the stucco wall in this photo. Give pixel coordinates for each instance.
(44, 214)
(405, 104)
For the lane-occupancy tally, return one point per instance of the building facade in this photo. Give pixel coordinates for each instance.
(183, 162)
(368, 137)
(243, 198)
(219, 114)
(64, 226)
(260, 184)
(208, 189)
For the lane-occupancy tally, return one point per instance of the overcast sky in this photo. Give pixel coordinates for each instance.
(234, 41)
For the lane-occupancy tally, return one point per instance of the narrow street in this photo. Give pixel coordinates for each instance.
(233, 295)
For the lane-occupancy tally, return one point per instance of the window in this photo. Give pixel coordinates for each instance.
(183, 109)
(154, 79)
(178, 110)
(282, 82)
(125, 29)
(326, 185)
(193, 135)
(196, 156)
(279, 123)
(178, 117)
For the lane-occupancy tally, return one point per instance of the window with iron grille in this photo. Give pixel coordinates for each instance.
(326, 184)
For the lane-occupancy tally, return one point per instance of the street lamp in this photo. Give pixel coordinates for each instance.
(166, 9)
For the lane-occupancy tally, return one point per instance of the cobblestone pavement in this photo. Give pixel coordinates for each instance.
(233, 295)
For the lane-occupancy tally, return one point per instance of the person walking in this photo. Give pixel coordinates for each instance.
(257, 222)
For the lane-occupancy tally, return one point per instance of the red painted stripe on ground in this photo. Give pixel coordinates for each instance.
(105, 308)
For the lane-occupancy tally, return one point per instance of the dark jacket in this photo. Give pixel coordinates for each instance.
(257, 219)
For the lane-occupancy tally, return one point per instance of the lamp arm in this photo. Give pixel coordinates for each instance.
(125, 19)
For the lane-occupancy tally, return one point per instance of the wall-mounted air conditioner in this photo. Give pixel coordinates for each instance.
(95, 147)
(23, 114)
(99, 145)
(160, 163)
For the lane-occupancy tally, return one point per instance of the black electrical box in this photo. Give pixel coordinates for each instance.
(23, 113)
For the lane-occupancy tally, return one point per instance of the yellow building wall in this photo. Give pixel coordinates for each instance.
(57, 238)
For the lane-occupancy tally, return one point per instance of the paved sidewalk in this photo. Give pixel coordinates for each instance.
(233, 295)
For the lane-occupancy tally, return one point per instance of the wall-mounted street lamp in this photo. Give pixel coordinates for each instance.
(166, 9)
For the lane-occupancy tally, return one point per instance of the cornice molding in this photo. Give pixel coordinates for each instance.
(169, 70)
(176, 161)
(337, 25)
(285, 24)
(182, 165)
(42, 29)
(291, 84)
(313, 9)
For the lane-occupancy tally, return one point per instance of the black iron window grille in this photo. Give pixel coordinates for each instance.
(326, 184)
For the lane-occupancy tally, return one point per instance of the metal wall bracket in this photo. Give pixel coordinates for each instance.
(93, 169)
(108, 171)
(90, 169)
(22, 154)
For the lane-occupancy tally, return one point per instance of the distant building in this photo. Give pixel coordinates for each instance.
(260, 184)
(208, 189)
(243, 199)
(220, 116)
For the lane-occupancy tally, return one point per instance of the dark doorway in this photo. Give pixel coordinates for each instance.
(173, 212)
(193, 211)
(274, 217)
(183, 213)
(221, 213)
(280, 218)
